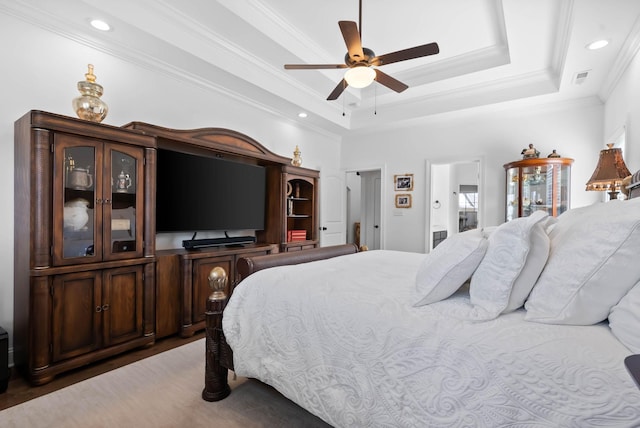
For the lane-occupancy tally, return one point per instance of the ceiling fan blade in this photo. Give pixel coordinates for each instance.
(313, 66)
(338, 90)
(352, 39)
(390, 82)
(411, 53)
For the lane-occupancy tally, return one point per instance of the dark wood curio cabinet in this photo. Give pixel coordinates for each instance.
(84, 243)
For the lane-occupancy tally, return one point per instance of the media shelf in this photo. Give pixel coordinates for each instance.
(301, 221)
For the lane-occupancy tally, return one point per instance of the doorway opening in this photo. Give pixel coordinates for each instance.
(455, 198)
(364, 210)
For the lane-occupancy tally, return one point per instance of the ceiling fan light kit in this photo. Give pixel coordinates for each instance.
(360, 77)
(360, 61)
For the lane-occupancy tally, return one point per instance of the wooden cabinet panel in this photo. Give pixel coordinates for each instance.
(77, 314)
(182, 285)
(94, 309)
(122, 305)
(168, 294)
(200, 283)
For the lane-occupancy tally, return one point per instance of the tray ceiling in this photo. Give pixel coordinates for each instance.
(491, 51)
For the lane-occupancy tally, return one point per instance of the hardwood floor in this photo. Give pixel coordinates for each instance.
(20, 390)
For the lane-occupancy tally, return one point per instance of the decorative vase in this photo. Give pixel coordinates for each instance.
(297, 160)
(89, 106)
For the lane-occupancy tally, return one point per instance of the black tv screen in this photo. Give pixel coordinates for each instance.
(198, 193)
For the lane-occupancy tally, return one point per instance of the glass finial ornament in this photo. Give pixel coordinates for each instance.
(88, 105)
(297, 160)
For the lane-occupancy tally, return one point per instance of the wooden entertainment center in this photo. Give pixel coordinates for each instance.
(88, 281)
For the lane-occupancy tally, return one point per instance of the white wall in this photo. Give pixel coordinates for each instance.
(40, 71)
(574, 129)
(623, 109)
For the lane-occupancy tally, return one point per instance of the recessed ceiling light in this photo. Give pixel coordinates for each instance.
(598, 44)
(100, 25)
(302, 114)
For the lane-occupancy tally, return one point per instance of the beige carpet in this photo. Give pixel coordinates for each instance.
(159, 391)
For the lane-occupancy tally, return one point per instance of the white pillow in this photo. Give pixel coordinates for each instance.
(592, 264)
(624, 319)
(448, 266)
(517, 253)
(539, 244)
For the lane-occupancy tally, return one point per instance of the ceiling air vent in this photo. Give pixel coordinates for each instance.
(580, 77)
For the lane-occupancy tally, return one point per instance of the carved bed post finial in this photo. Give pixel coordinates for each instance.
(216, 386)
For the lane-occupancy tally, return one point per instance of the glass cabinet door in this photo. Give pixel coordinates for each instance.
(76, 217)
(122, 202)
(537, 195)
(513, 193)
(537, 185)
(562, 183)
(98, 197)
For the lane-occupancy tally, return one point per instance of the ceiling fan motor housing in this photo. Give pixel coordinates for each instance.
(368, 56)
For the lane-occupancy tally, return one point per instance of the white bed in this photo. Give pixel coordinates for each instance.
(350, 340)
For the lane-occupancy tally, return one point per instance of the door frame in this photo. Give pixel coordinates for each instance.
(383, 190)
(428, 190)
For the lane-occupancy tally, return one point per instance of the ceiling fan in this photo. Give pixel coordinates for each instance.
(360, 61)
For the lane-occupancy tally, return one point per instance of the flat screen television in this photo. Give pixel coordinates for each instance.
(199, 193)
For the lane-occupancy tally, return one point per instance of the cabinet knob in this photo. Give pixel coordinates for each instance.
(105, 307)
(98, 308)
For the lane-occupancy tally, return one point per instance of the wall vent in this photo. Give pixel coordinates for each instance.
(581, 76)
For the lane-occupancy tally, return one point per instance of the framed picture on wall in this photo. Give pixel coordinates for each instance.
(403, 182)
(403, 200)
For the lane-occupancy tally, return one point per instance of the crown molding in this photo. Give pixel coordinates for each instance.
(562, 39)
(536, 83)
(627, 53)
(519, 107)
(128, 52)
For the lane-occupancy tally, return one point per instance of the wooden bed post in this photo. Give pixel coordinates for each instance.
(216, 386)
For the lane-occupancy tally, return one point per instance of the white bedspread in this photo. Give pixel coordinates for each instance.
(341, 338)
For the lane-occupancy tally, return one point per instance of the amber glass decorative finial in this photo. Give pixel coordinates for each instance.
(297, 160)
(88, 105)
(89, 76)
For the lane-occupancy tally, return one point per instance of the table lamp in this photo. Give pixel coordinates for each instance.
(609, 172)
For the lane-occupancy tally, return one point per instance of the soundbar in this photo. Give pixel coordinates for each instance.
(192, 244)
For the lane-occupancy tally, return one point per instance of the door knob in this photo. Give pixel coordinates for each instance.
(376, 227)
(323, 228)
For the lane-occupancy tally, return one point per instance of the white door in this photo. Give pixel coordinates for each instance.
(332, 208)
(371, 224)
(376, 211)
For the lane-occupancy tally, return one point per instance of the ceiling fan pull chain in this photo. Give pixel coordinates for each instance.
(343, 88)
(375, 100)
